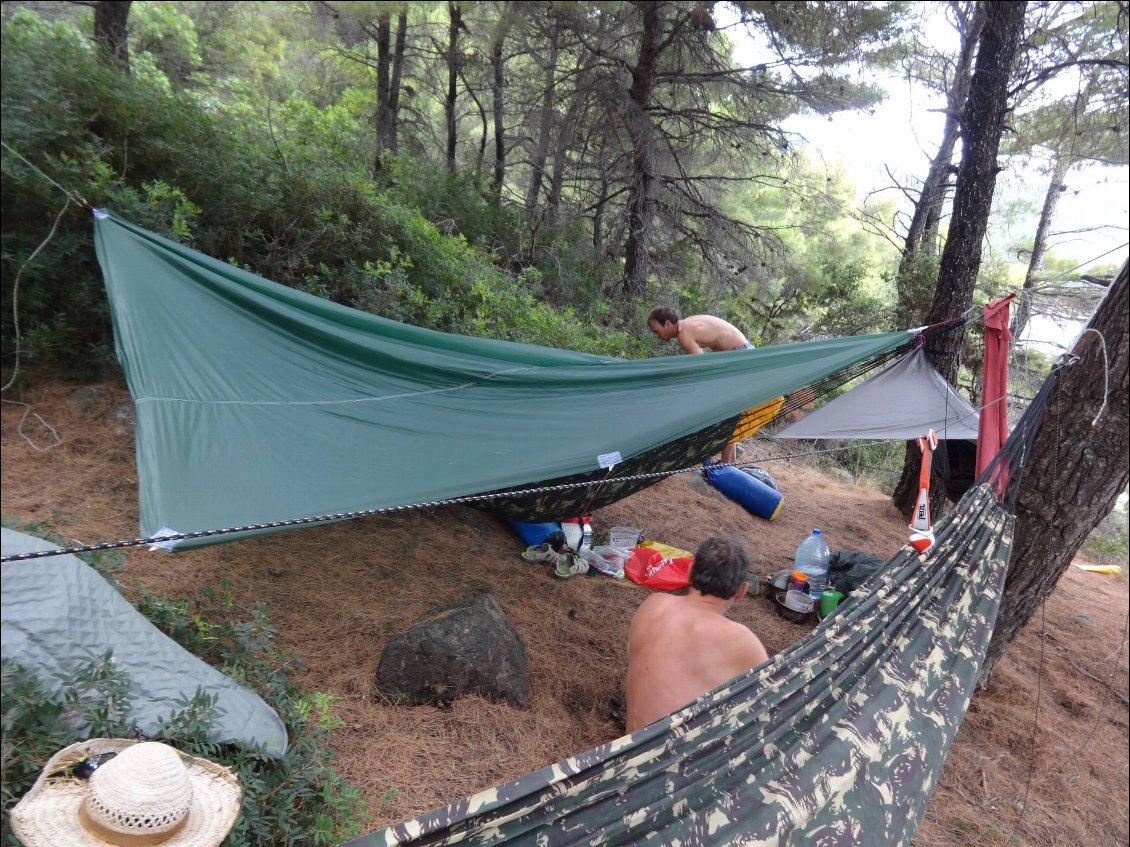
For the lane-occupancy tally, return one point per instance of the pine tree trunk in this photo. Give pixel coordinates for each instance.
(921, 235)
(384, 64)
(641, 196)
(394, 84)
(498, 111)
(1077, 466)
(1040, 243)
(110, 32)
(983, 124)
(449, 103)
(540, 152)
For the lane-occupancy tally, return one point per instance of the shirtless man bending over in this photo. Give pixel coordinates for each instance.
(681, 646)
(694, 333)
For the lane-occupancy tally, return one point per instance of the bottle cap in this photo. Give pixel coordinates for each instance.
(800, 575)
(815, 532)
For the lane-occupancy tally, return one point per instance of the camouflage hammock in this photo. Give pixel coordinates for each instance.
(837, 740)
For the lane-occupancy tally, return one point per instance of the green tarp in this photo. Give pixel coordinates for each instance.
(257, 402)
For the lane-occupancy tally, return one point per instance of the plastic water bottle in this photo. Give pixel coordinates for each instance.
(578, 533)
(812, 557)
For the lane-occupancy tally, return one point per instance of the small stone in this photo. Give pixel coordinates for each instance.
(123, 418)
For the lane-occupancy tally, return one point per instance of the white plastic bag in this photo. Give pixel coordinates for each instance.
(608, 560)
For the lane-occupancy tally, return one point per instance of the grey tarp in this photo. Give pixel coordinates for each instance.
(59, 612)
(902, 402)
(838, 740)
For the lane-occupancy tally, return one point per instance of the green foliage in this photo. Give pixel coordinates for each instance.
(877, 464)
(36, 726)
(165, 38)
(110, 140)
(916, 280)
(1109, 542)
(270, 193)
(293, 800)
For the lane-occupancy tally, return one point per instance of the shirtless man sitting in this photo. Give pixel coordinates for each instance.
(681, 646)
(694, 333)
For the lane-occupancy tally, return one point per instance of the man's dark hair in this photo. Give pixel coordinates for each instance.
(721, 565)
(663, 315)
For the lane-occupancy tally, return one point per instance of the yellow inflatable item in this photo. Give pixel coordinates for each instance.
(752, 420)
(1114, 570)
(667, 550)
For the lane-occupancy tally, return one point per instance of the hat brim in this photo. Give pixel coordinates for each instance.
(50, 814)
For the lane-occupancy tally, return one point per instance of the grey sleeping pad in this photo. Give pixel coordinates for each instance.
(58, 612)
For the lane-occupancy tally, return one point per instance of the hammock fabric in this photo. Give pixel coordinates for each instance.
(838, 740)
(257, 402)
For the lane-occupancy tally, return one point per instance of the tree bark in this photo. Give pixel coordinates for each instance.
(545, 123)
(1055, 190)
(982, 126)
(394, 84)
(921, 234)
(641, 195)
(497, 63)
(449, 103)
(384, 65)
(601, 204)
(1078, 465)
(110, 31)
(570, 126)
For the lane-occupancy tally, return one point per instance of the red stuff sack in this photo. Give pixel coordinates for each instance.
(652, 569)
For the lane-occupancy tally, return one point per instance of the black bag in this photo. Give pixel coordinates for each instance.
(849, 569)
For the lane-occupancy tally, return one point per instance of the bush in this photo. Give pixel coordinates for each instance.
(1109, 542)
(36, 727)
(298, 799)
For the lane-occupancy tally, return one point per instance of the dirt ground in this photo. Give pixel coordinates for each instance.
(1040, 760)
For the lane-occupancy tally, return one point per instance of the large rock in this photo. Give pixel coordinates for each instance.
(88, 399)
(464, 647)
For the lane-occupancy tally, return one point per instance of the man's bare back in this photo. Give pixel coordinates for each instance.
(680, 647)
(698, 331)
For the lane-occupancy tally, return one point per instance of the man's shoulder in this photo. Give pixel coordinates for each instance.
(661, 609)
(656, 602)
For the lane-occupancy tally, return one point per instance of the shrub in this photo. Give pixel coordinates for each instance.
(297, 799)
(292, 201)
(1109, 542)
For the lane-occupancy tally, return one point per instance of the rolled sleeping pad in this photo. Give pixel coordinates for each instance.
(753, 495)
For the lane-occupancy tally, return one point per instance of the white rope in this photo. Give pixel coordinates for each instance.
(16, 290)
(1106, 373)
(43, 423)
(72, 195)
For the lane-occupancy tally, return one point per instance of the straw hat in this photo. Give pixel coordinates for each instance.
(147, 794)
